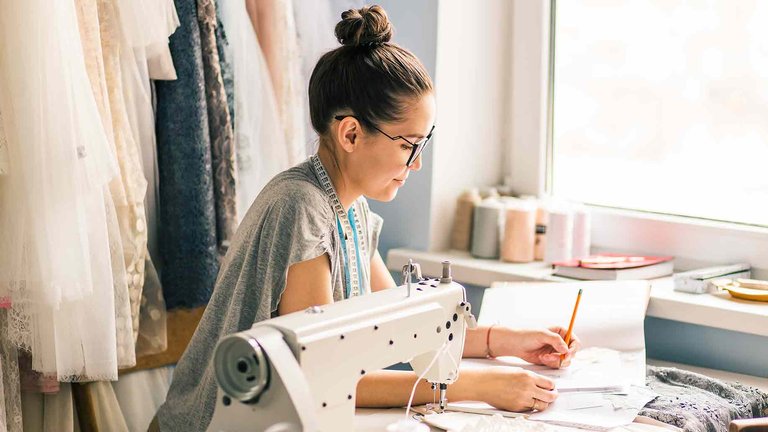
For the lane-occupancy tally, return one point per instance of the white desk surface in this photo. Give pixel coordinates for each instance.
(370, 420)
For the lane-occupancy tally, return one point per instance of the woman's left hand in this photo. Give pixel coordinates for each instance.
(545, 346)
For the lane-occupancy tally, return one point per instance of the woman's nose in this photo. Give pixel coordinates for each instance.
(416, 165)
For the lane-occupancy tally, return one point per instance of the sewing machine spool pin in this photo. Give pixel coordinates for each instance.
(408, 271)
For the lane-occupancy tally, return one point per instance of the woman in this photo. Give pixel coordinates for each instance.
(372, 104)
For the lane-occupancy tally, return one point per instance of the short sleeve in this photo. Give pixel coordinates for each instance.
(297, 227)
(375, 223)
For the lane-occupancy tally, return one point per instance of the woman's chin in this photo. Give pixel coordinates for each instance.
(386, 195)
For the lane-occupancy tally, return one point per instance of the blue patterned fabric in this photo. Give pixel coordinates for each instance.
(187, 214)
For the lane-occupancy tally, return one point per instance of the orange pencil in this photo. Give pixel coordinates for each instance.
(570, 326)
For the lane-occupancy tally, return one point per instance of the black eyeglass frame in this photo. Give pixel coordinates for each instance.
(417, 147)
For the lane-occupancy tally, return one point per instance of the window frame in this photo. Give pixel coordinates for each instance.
(694, 242)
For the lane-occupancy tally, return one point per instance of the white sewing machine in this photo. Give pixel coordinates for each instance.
(300, 371)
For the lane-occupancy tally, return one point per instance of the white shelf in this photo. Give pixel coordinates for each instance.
(712, 310)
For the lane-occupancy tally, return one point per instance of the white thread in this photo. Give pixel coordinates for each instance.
(413, 391)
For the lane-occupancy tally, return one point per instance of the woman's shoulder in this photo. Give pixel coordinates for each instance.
(298, 188)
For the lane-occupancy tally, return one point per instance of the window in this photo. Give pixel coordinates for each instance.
(662, 107)
(617, 224)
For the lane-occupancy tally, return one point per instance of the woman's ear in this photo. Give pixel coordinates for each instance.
(348, 133)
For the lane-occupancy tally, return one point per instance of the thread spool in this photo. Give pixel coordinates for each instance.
(559, 245)
(582, 226)
(461, 235)
(519, 232)
(487, 227)
(489, 192)
(540, 242)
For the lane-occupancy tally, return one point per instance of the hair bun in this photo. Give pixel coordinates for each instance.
(364, 27)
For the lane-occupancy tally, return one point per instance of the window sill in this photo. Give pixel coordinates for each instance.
(712, 310)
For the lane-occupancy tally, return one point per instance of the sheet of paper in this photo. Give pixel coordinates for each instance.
(463, 422)
(611, 313)
(614, 411)
(475, 407)
(592, 370)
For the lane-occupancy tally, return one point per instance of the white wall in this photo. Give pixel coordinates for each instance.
(471, 82)
(407, 218)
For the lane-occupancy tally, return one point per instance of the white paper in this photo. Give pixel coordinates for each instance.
(592, 370)
(611, 313)
(615, 410)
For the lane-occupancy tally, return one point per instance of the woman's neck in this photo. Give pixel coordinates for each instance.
(346, 195)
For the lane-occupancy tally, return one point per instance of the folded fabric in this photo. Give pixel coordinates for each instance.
(697, 403)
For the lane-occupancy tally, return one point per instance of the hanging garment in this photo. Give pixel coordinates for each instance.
(32, 381)
(53, 200)
(97, 407)
(146, 25)
(227, 73)
(49, 412)
(315, 23)
(140, 394)
(260, 144)
(187, 213)
(88, 23)
(219, 128)
(10, 408)
(275, 27)
(3, 148)
(130, 212)
(153, 335)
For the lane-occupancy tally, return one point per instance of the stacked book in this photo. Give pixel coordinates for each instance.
(615, 267)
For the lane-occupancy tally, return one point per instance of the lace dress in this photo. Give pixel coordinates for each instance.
(146, 26)
(219, 127)
(88, 23)
(188, 217)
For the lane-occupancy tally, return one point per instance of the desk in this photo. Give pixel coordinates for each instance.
(370, 420)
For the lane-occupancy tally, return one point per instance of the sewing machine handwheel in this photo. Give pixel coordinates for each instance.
(242, 368)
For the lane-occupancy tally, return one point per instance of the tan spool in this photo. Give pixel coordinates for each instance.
(540, 244)
(519, 233)
(461, 234)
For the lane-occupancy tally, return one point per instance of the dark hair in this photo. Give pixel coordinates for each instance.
(367, 76)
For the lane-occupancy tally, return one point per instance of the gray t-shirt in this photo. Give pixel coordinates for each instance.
(292, 220)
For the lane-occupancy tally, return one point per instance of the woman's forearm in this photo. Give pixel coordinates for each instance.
(493, 341)
(388, 388)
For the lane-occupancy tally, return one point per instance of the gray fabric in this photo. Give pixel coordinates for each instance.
(697, 403)
(220, 128)
(290, 221)
(187, 215)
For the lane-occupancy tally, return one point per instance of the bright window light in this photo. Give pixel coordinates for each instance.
(662, 106)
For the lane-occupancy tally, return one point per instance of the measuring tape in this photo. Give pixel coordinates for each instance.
(349, 240)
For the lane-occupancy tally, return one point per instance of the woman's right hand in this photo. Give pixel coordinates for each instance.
(515, 389)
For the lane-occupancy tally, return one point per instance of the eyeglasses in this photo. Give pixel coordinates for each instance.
(416, 147)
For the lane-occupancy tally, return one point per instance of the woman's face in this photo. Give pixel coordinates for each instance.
(379, 164)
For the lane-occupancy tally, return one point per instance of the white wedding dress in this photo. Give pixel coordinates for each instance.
(54, 246)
